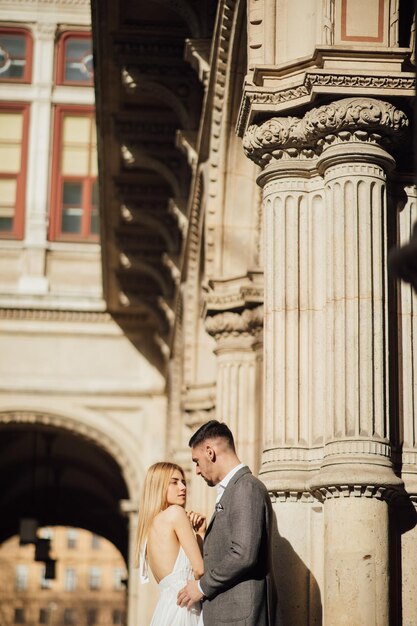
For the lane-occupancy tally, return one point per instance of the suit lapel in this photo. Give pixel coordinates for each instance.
(227, 493)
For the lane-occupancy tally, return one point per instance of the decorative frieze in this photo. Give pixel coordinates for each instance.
(230, 324)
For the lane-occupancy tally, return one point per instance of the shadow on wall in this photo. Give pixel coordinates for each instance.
(298, 593)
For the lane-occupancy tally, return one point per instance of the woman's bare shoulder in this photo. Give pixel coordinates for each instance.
(171, 514)
(175, 512)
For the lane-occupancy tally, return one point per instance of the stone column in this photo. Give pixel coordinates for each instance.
(326, 343)
(33, 279)
(239, 378)
(130, 509)
(141, 599)
(408, 412)
(294, 356)
(356, 476)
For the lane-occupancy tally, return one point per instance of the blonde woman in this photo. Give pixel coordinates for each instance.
(170, 540)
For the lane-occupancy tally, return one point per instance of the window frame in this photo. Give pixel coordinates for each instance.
(21, 577)
(27, 76)
(17, 231)
(70, 579)
(55, 232)
(95, 578)
(60, 58)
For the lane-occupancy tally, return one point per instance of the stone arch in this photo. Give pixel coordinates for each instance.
(83, 429)
(87, 466)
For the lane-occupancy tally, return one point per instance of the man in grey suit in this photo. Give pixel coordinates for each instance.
(236, 587)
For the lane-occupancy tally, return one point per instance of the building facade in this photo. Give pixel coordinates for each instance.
(255, 166)
(87, 589)
(82, 412)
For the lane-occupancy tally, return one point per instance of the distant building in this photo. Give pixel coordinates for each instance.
(89, 586)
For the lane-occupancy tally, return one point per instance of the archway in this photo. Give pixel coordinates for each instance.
(62, 473)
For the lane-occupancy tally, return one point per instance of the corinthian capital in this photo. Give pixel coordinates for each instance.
(231, 324)
(357, 119)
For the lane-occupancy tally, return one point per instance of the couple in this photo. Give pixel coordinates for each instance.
(232, 583)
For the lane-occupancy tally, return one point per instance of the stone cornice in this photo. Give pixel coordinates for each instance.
(247, 323)
(35, 4)
(358, 119)
(55, 315)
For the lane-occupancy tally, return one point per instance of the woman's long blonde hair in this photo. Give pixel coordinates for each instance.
(153, 499)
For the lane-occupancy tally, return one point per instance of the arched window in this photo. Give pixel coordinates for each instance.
(75, 59)
(15, 55)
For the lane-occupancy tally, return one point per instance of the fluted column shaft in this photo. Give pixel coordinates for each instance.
(357, 403)
(239, 378)
(295, 300)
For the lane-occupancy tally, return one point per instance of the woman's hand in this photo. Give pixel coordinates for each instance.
(197, 521)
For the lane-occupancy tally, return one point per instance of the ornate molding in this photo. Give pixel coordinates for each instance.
(260, 99)
(357, 119)
(358, 446)
(219, 76)
(380, 492)
(305, 497)
(229, 324)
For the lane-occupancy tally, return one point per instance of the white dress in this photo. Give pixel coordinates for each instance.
(167, 612)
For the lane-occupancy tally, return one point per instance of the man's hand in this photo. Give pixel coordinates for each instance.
(189, 595)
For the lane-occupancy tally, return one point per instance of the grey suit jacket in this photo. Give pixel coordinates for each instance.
(236, 583)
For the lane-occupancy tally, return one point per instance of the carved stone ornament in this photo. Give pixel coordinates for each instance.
(229, 323)
(358, 118)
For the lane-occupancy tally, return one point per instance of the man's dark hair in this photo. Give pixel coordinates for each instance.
(212, 430)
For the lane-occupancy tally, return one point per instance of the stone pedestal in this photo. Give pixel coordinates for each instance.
(356, 574)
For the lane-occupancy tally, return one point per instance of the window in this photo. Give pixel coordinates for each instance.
(75, 59)
(69, 617)
(74, 215)
(119, 575)
(21, 577)
(43, 616)
(13, 156)
(117, 616)
(70, 581)
(45, 582)
(72, 538)
(95, 542)
(19, 616)
(15, 55)
(46, 533)
(95, 578)
(91, 617)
